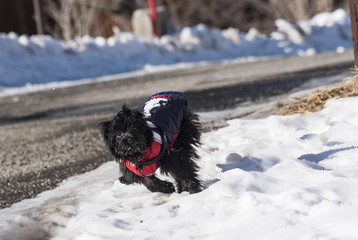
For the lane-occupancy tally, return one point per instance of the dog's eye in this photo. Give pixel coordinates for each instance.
(118, 134)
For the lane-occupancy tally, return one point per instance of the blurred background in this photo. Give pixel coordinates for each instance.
(65, 19)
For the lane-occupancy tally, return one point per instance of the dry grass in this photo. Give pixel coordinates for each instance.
(316, 101)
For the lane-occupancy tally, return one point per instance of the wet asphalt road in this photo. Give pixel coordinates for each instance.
(50, 135)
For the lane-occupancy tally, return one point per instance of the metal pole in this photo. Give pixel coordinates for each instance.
(353, 6)
(38, 17)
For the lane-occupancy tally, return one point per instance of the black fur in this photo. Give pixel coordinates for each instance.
(127, 137)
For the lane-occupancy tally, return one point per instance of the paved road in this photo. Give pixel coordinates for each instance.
(51, 135)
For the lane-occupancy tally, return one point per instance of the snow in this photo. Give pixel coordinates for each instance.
(31, 63)
(281, 177)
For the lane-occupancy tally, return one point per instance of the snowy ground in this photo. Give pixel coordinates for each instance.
(31, 63)
(282, 177)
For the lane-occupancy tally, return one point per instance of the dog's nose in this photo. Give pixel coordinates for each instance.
(131, 140)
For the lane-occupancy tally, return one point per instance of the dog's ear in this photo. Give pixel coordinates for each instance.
(104, 128)
(128, 112)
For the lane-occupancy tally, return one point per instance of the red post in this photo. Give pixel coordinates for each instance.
(353, 6)
(153, 16)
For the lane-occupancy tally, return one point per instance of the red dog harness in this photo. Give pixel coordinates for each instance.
(149, 163)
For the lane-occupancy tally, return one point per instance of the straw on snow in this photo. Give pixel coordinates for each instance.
(316, 101)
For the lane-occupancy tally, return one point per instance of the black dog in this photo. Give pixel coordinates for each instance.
(162, 134)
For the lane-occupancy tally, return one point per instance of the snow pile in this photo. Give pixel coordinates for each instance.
(283, 177)
(26, 60)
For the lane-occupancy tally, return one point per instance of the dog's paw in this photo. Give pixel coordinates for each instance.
(156, 185)
(167, 187)
(123, 180)
(189, 185)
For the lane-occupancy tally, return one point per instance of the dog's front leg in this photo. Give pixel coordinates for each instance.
(127, 176)
(123, 180)
(154, 184)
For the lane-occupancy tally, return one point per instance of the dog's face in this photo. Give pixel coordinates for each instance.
(127, 135)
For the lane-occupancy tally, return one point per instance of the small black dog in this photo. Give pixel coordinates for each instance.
(162, 134)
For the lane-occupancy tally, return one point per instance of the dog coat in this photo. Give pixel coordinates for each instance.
(164, 112)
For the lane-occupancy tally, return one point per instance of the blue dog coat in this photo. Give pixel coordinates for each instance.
(166, 110)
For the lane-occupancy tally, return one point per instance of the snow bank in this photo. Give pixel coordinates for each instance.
(27, 60)
(283, 177)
